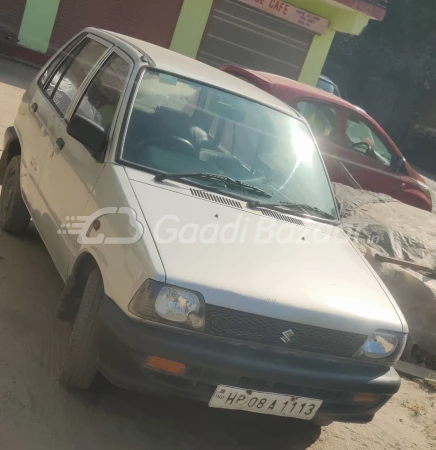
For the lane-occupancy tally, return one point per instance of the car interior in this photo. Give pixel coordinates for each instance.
(171, 141)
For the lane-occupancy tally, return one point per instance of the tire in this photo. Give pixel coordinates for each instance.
(79, 369)
(14, 216)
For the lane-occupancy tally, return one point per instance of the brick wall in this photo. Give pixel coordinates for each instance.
(11, 14)
(149, 20)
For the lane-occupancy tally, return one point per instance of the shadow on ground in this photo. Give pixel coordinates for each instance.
(173, 422)
(18, 75)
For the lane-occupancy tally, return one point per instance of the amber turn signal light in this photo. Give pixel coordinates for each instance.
(172, 367)
(364, 397)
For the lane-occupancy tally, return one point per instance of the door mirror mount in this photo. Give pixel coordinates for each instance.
(398, 164)
(88, 133)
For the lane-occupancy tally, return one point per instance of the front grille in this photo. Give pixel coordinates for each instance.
(242, 326)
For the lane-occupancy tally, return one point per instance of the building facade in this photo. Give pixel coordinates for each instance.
(291, 37)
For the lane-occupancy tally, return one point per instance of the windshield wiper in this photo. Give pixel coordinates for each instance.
(211, 176)
(298, 207)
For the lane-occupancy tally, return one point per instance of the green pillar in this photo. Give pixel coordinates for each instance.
(316, 58)
(37, 24)
(190, 27)
(195, 14)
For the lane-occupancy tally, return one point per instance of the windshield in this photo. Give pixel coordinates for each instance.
(180, 126)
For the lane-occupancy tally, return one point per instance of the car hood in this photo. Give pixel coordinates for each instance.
(308, 273)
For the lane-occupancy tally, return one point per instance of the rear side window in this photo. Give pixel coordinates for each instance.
(72, 72)
(57, 60)
(102, 96)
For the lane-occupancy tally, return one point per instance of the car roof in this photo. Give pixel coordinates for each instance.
(178, 64)
(301, 90)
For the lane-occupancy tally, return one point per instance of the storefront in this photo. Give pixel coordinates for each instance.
(260, 34)
(291, 38)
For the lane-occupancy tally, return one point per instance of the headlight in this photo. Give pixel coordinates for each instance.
(383, 347)
(173, 305)
(426, 190)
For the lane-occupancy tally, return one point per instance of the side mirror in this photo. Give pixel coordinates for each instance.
(91, 135)
(398, 164)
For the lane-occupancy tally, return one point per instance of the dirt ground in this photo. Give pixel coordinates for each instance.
(38, 414)
(407, 422)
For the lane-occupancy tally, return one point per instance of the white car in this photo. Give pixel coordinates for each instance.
(193, 222)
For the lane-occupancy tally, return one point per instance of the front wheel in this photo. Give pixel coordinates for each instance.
(14, 216)
(79, 369)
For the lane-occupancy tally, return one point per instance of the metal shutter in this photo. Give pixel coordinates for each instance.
(242, 35)
(11, 14)
(152, 21)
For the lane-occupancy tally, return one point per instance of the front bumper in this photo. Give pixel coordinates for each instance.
(124, 345)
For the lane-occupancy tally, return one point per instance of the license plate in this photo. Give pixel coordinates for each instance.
(264, 402)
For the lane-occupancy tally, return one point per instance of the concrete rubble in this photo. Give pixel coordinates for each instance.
(378, 224)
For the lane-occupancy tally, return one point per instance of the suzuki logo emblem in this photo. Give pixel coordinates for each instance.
(287, 336)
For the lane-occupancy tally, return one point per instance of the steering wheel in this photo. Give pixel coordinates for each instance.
(173, 142)
(367, 149)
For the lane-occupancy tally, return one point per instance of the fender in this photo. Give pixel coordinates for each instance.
(11, 148)
(75, 286)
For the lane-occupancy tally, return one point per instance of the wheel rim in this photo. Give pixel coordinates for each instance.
(8, 194)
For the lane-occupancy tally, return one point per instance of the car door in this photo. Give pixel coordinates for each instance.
(37, 121)
(369, 157)
(71, 172)
(60, 92)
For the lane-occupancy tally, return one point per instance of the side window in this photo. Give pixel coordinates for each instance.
(322, 118)
(66, 81)
(101, 98)
(365, 140)
(57, 60)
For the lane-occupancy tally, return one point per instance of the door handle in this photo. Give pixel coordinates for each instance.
(34, 107)
(60, 143)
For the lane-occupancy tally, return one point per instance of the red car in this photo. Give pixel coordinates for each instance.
(356, 150)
